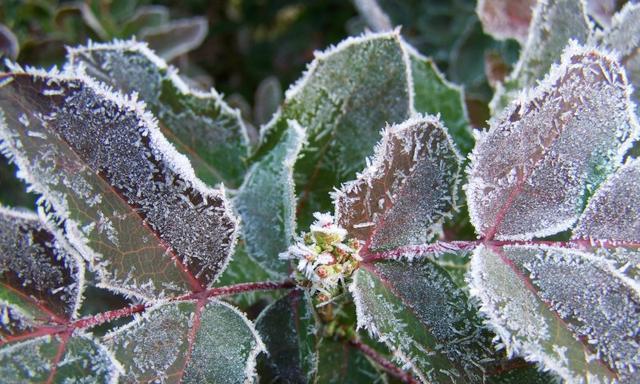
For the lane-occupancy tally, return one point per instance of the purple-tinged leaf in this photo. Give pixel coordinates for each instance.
(128, 200)
(613, 213)
(506, 19)
(530, 173)
(41, 277)
(575, 313)
(602, 10)
(41, 283)
(407, 189)
(188, 342)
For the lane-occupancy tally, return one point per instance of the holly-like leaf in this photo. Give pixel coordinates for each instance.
(187, 342)
(201, 125)
(505, 19)
(338, 103)
(41, 284)
(613, 212)
(554, 24)
(532, 172)
(176, 37)
(407, 189)
(435, 95)
(266, 203)
(623, 36)
(289, 331)
(573, 312)
(129, 201)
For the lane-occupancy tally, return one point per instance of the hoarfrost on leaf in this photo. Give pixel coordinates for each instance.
(200, 124)
(174, 234)
(571, 311)
(531, 173)
(407, 189)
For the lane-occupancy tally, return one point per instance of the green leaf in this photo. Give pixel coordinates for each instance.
(289, 331)
(574, 312)
(266, 203)
(347, 95)
(267, 100)
(144, 17)
(129, 201)
(188, 342)
(201, 125)
(435, 95)
(406, 191)
(532, 172)
(58, 359)
(177, 37)
(338, 362)
(554, 24)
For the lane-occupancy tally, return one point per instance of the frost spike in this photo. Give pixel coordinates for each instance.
(129, 201)
(406, 190)
(529, 174)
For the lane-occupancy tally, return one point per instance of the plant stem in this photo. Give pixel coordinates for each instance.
(105, 317)
(382, 361)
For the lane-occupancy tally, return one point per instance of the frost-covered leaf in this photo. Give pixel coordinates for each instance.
(420, 313)
(58, 359)
(267, 100)
(407, 189)
(176, 37)
(347, 95)
(41, 277)
(201, 125)
(532, 172)
(613, 213)
(603, 10)
(435, 95)
(623, 36)
(188, 342)
(146, 16)
(129, 201)
(9, 45)
(288, 329)
(506, 19)
(41, 283)
(554, 24)
(266, 203)
(573, 312)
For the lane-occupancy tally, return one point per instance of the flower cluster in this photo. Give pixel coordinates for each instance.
(325, 258)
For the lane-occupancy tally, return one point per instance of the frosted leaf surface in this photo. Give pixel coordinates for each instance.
(187, 342)
(530, 174)
(266, 203)
(571, 311)
(201, 125)
(288, 329)
(40, 278)
(419, 312)
(554, 24)
(407, 188)
(338, 102)
(506, 19)
(78, 359)
(435, 95)
(613, 213)
(129, 200)
(623, 36)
